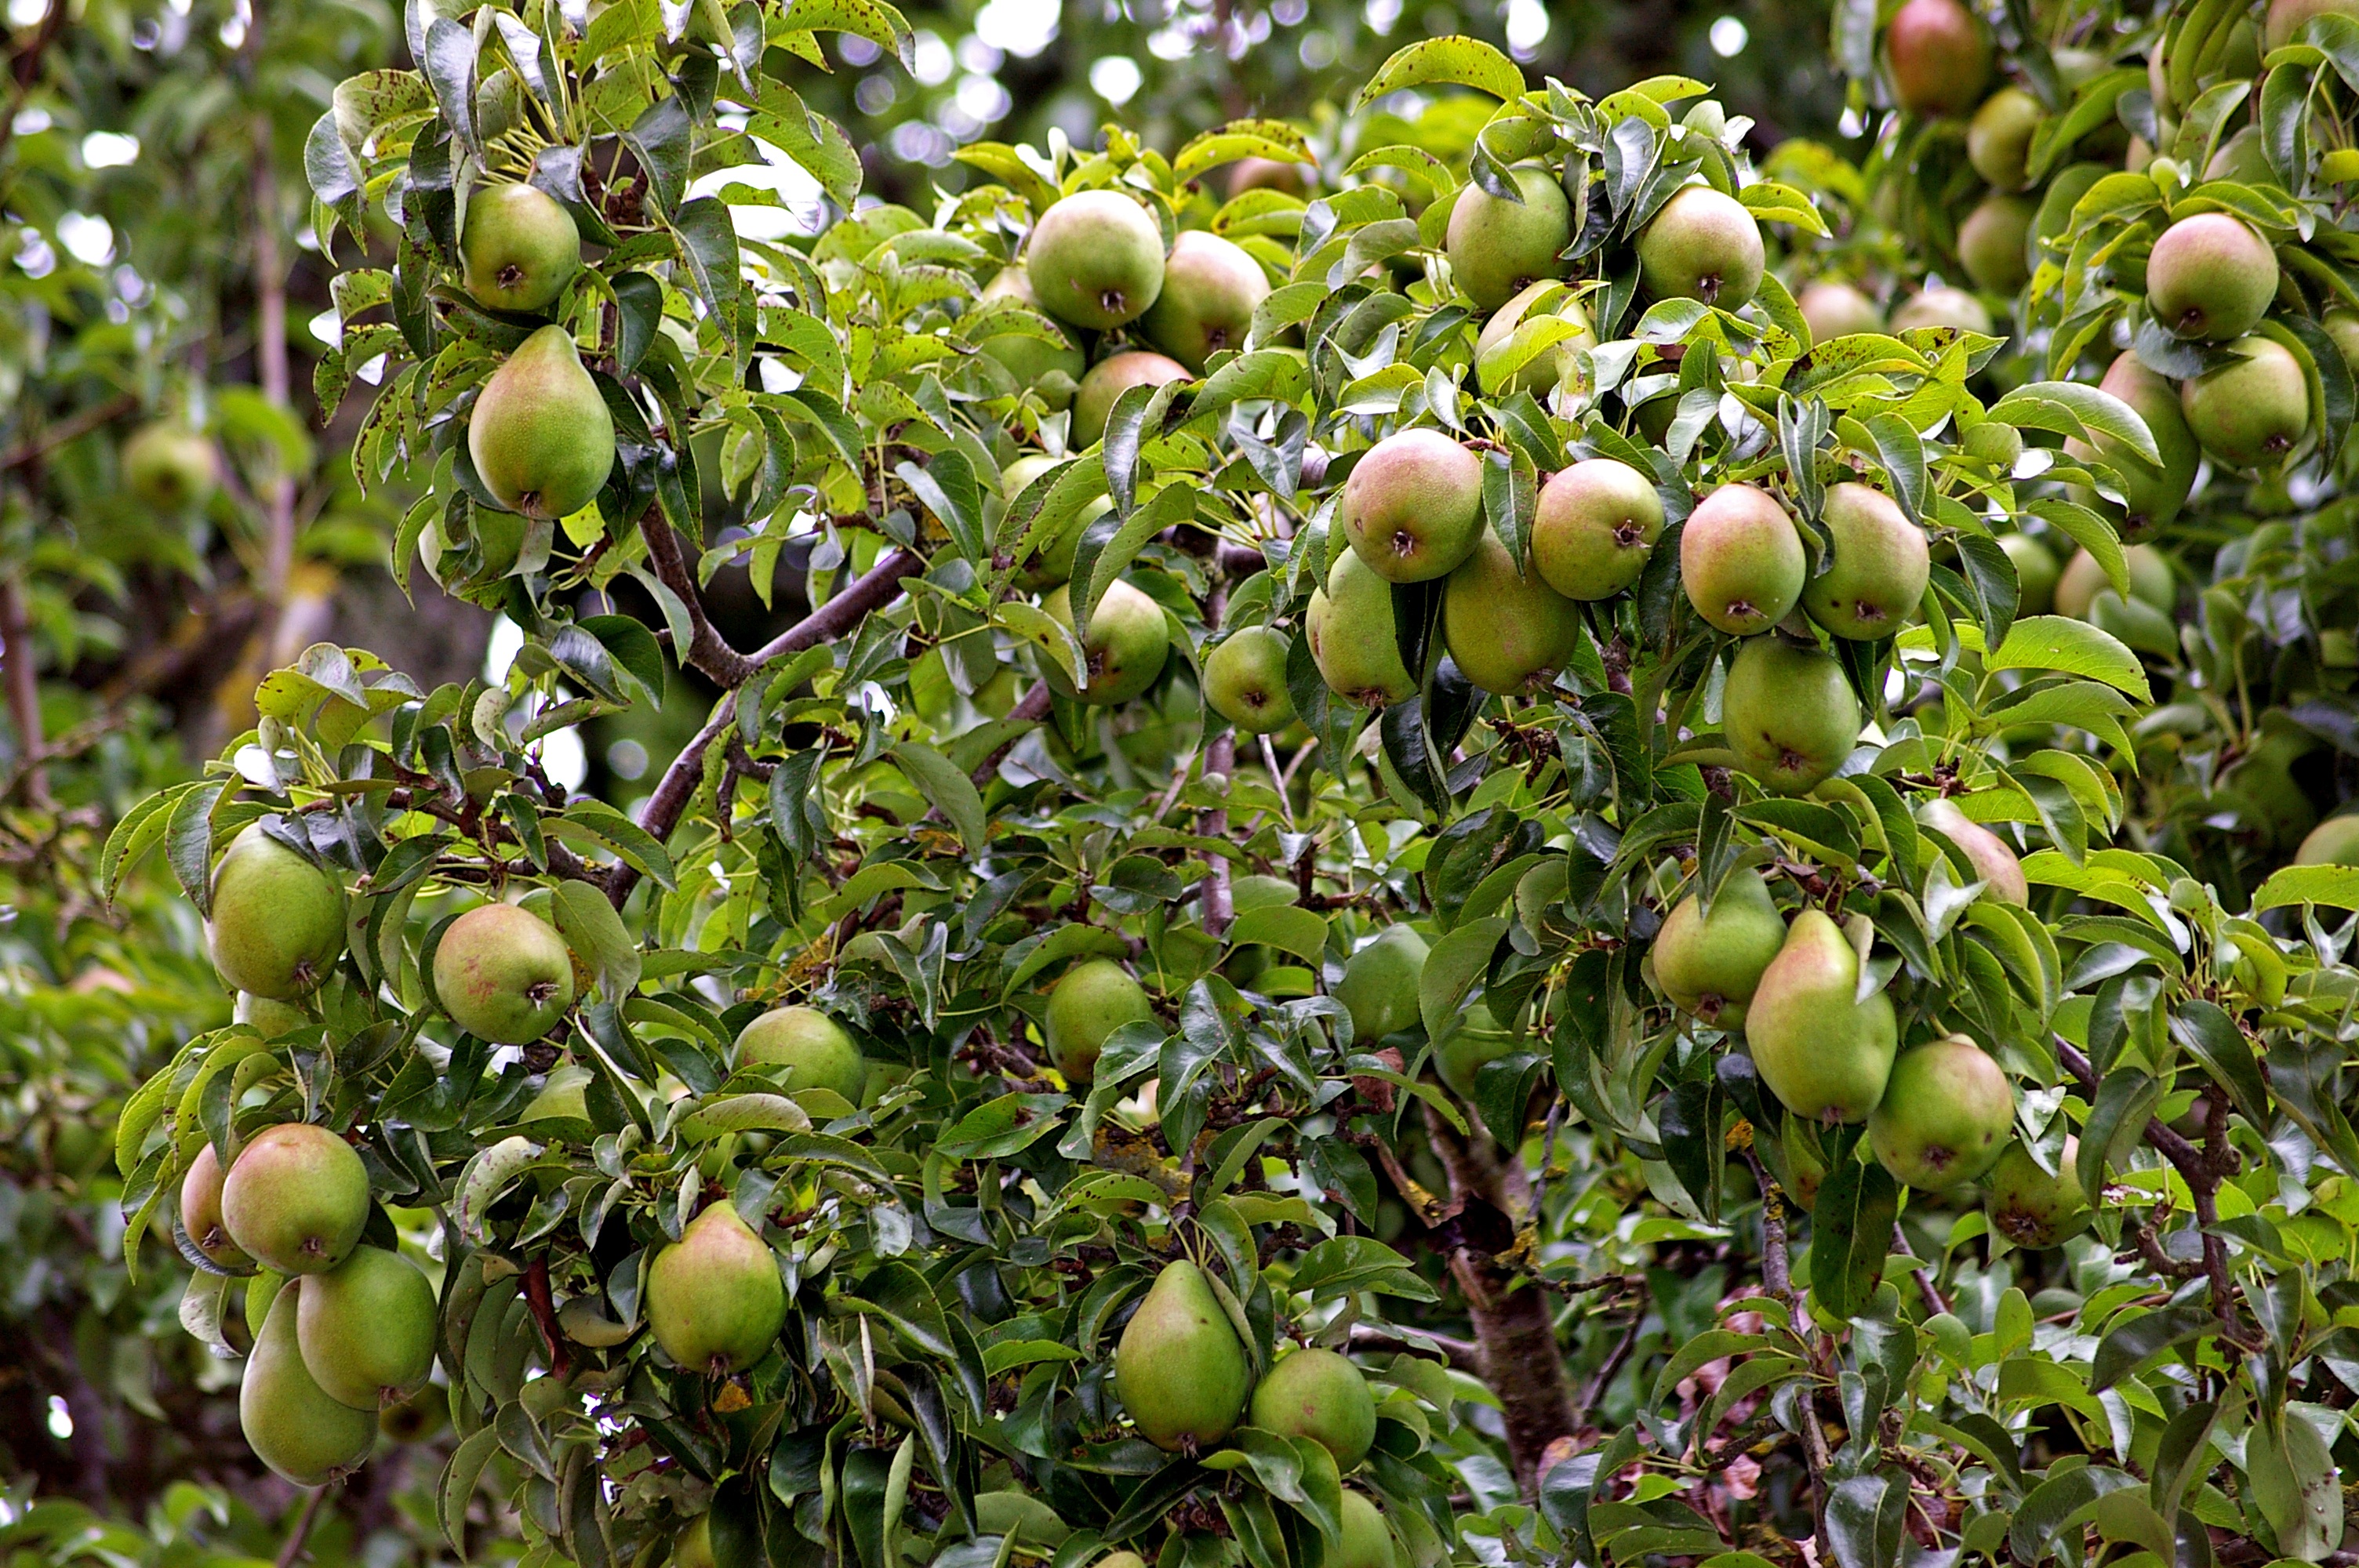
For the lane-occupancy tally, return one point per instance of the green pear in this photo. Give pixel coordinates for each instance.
(417, 1418)
(1709, 965)
(1943, 306)
(1497, 247)
(1823, 1054)
(1992, 240)
(277, 925)
(1092, 999)
(2032, 1208)
(1211, 286)
(1179, 1367)
(1413, 505)
(1124, 647)
(201, 1210)
(1351, 633)
(1319, 1395)
(2242, 160)
(2285, 18)
(289, 1420)
(693, 1548)
(2210, 277)
(504, 974)
(273, 1019)
(1469, 1045)
(1740, 560)
(1702, 244)
(1876, 572)
(2036, 573)
(168, 468)
(367, 1329)
(1998, 138)
(2152, 493)
(1051, 369)
(1508, 631)
(1835, 309)
(296, 1199)
(812, 1046)
(714, 1298)
(2083, 581)
(2251, 411)
(540, 437)
(2342, 325)
(1538, 374)
(1595, 525)
(1790, 713)
(1108, 380)
(1245, 680)
(519, 249)
(1366, 1541)
(1945, 1114)
(1052, 562)
(1095, 259)
(1996, 865)
(1937, 56)
(2333, 842)
(1379, 987)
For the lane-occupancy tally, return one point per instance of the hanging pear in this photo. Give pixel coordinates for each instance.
(366, 1328)
(1824, 1053)
(1709, 965)
(541, 436)
(714, 1298)
(289, 1420)
(519, 249)
(1181, 1369)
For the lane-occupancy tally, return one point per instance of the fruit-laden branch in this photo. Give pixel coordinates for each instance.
(707, 650)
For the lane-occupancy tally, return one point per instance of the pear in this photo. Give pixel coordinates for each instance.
(1124, 647)
(2342, 325)
(1052, 562)
(1413, 505)
(2152, 493)
(1998, 138)
(367, 1328)
(2083, 581)
(1994, 864)
(1940, 307)
(1740, 560)
(1710, 965)
(1945, 1114)
(519, 249)
(540, 437)
(1052, 369)
(1992, 243)
(417, 1418)
(1268, 174)
(2032, 1208)
(1211, 286)
(812, 1046)
(289, 1420)
(504, 974)
(1319, 1395)
(2242, 158)
(693, 1548)
(296, 1199)
(277, 925)
(273, 1019)
(1937, 56)
(1595, 525)
(1379, 987)
(1509, 632)
(1095, 259)
(1245, 680)
(2333, 842)
(1875, 574)
(1092, 999)
(1108, 380)
(1366, 1541)
(2251, 411)
(2210, 277)
(1469, 1046)
(1179, 1367)
(168, 468)
(1702, 244)
(1351, 633)
(1790, 713)
(201, 1210)
(1538, 374)
(1837, 310)
(1825, 1055)
(714, 1298)
(2036, 573)
(1497, 247)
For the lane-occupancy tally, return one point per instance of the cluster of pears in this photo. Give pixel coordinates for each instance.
(345, 1331)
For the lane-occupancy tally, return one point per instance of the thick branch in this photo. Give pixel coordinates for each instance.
(72, 427)
(1776, 1277)
(1030, 709)
(708, 650)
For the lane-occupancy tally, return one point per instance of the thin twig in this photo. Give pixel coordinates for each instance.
(1777, 1278)
(72, 427)
(289, 1553)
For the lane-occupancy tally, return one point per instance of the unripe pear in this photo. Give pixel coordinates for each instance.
(277, 925)
(812, 1046)
(2251, 411)
(504, 974)
(2242, 158)
(2153, 493)
(169, 467)
(417, 1418)
(2210, 277)
(2342, 325)
(1595, 525)
(1108, 380)
(1992, 240)
(1790, 713)
(1179, 1367)
(1942, 306)
(201, 1210)
(1937, 57)
(2333, 842)
(289, 1420)
(1998, 138)
(1877, 570)
(1095, 259)
(519, 249)
(1497, 247)
(1824, 1054)
(1509, 632)
(2036, 573)
(1702, 244)
(2032, 1208)
(1379, 987)
(1268, 174)
(1052, 369)
(1319, 1395)
(1538, 374)
(296, 1199)
(1740, 560)
(1211, 286)
(1837, 310)
(1245, 680)
(541, 436)
(1367, 1541)
(1352, 639)
(1945, 1115)
(2285, 17)
(1413, 505)
(1124, 648)
(1092, 999)
(1470, 1044)
(1995, 863)
(1052, 562)
(273, 1019)
(2084, 579)
(714, 1298)
(1710, 965)
(367, 1329)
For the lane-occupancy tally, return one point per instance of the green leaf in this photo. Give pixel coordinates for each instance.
(1453, 60)
(2075, 648)
(1851, 1234)
(2129, 1346)
(2337, 887)
(1343, 1265)
(947, 789)
(1287, 927)
(595, 932)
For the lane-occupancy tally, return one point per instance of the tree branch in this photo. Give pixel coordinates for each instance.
(292, 1552)
(1220, 757)
(73, 427)
(270, 353)
(1030, 709)
(23, 681)
(707, 650)
(1776, 1277)
(1461, 1353)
